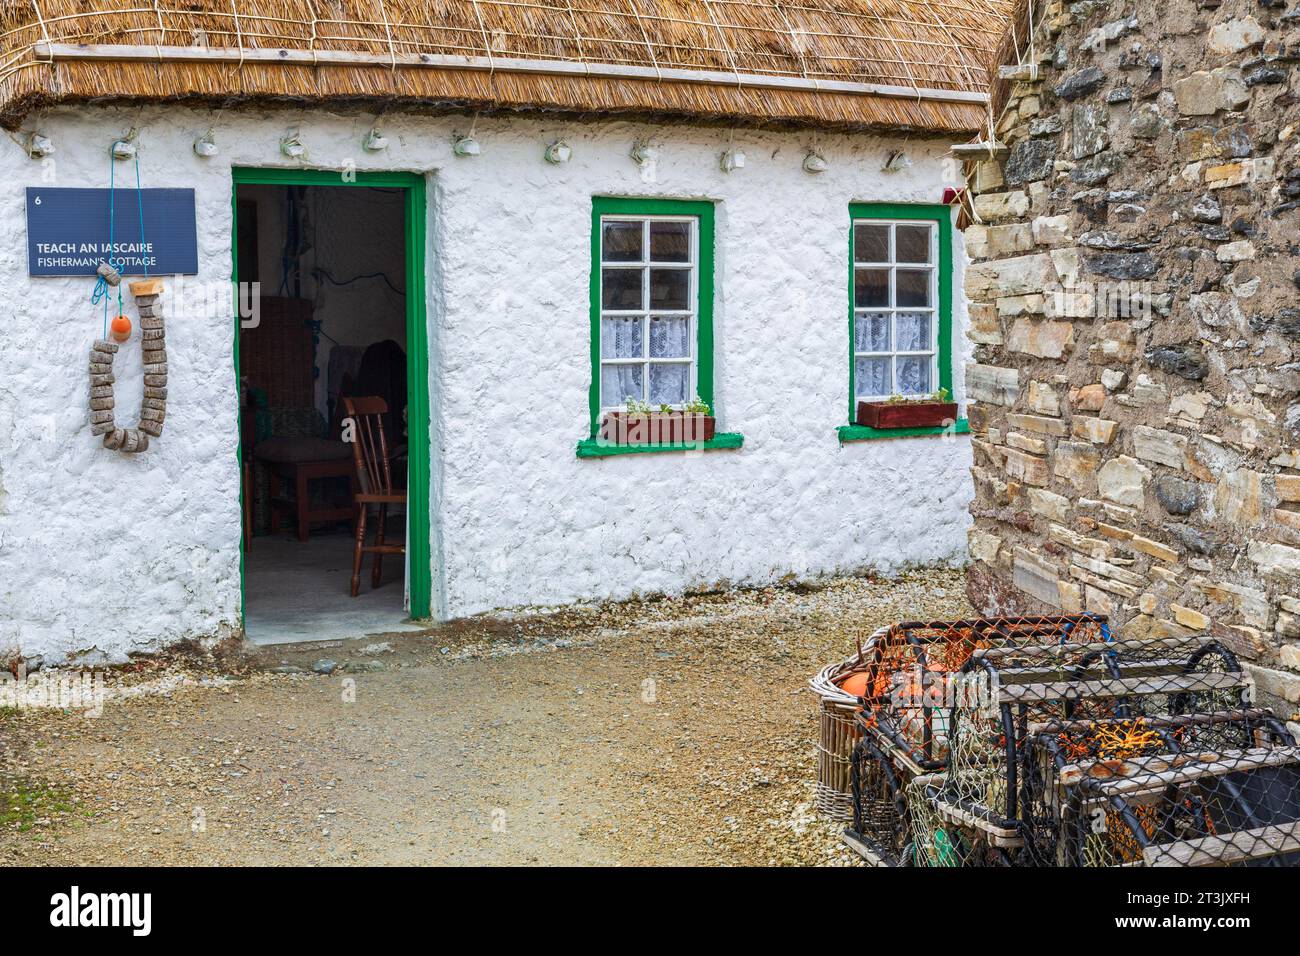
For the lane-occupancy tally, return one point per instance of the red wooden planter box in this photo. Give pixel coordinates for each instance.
(657, 428)
(906, 414)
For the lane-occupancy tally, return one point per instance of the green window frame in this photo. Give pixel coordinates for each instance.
(701, 215)
(902, 214)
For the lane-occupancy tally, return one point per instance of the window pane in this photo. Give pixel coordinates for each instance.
(670, 289)
(912, 243)
(872, 330)
(622, 242)
(914, 375)
(872, 376)
(669, 337)
(913, 287)
(912, 332)
(621, 338)
(670, 241)
(621, 289)
(870, 243)
(668, 384)
(871, 288)
(619, 382)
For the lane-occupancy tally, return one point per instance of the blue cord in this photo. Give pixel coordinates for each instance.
(101, 291)
(139, 201)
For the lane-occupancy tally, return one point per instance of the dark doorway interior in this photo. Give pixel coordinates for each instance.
(331, 324)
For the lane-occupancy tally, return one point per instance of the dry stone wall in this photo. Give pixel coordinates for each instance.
(1136, 322)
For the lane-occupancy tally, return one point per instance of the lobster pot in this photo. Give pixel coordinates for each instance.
(834, 748)
(906, 728)
(923, 659)
(942, 644)
(837, 732)
(879, 831)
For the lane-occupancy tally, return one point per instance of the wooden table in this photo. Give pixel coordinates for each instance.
(299, 475)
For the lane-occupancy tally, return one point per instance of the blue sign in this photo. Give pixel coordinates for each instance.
(68, 231)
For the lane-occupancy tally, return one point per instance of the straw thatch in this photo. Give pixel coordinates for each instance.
(935, 45)
(1012, 49)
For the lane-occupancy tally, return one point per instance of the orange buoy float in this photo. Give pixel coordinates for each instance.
(855, 685)
(120, 328)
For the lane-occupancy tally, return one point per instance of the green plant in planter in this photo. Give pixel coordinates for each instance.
(938, 395)
(636, 406)
(697, 406)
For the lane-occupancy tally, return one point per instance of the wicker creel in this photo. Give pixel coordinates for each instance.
(837, 732)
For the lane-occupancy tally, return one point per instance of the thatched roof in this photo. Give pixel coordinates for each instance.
(1023, 17)
(828, 63)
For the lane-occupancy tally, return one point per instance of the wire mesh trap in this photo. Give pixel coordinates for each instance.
(940, 838)
(1218, 789)
(903, 678)
(879, 831)
(914, 686)
(1120, 753)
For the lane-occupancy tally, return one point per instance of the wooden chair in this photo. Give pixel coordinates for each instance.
(375, 478)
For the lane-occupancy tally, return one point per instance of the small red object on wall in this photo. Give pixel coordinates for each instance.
(952, 195)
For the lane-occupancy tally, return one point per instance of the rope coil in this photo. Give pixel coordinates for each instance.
(153, 344)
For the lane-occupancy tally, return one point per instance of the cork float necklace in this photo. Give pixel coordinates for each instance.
(153, 405)
(148, 301)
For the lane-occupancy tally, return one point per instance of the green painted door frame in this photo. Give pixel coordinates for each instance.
(417, 349)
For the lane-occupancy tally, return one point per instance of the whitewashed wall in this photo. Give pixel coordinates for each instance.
(102, 554)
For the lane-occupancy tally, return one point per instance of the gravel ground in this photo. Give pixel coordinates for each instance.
(657, 732)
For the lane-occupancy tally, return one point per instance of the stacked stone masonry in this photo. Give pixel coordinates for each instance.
(1134, 309)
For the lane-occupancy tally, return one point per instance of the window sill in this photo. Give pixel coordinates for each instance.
(591, 448)
(851, 433)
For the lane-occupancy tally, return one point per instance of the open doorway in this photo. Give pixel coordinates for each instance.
(326, 403)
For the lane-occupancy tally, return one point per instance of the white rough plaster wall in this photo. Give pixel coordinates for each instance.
(105, 553)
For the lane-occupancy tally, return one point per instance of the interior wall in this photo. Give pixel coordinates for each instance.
(349, 261)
